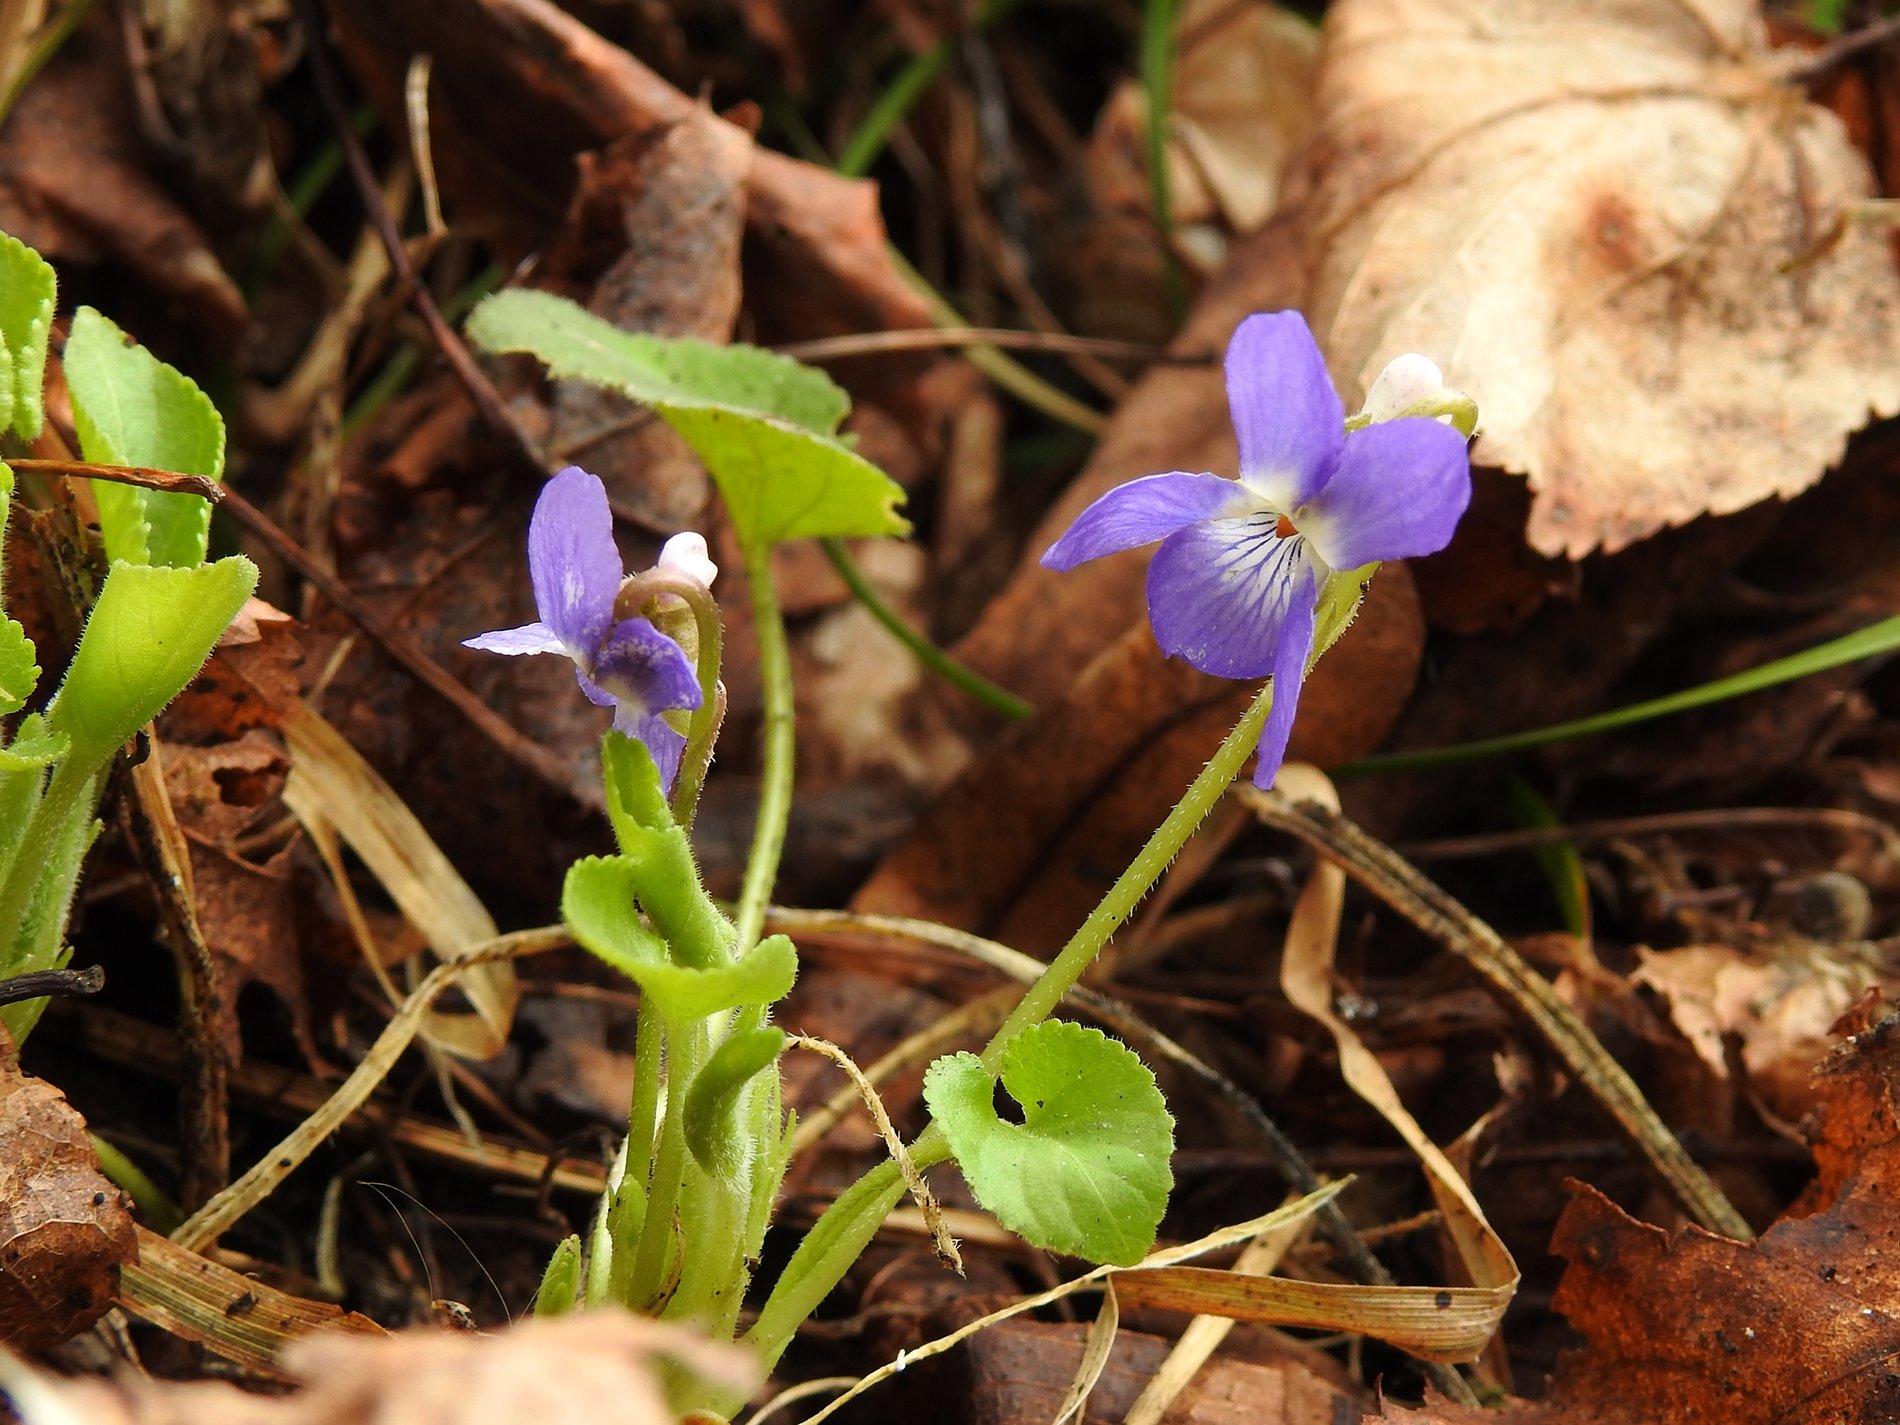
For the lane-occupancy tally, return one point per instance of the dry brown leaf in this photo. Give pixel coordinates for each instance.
(64, 1229)
(1620, 227)
(598, 1364)
(76, 119)
(1799, 1327)
(1781, 1011)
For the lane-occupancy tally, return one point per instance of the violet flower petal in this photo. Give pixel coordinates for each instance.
(1290, 656)
(1219, 593)
(1141, 512)
(529, 638)
(640, 665)
(661, 740)
(1288, 418)
(573, 561)
(1398, 493)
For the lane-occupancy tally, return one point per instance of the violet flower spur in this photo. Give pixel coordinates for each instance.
(627, 665)
(1236, 585)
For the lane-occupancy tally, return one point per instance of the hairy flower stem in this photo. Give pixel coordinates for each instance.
(775, 786)
(838, 1237)
(1135, 882)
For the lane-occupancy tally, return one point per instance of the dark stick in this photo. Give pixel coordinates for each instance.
(40, 983)
(172, 482)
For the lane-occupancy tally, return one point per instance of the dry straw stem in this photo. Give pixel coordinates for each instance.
(1402, 887)
(331, 783)
(204, 1225)
(913, 1179)
(1205, 1333)
(1090, 1281)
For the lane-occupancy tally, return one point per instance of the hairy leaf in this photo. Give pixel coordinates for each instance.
(130, 408)
(148, 636)
(764, 425)
(712, 1103)
(27, 290)
(598, 904)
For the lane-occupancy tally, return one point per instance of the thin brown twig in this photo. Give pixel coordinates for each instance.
(480, 389)
(1837, 52)
(521, 749)
(36, 984)
(172, 482)
(833, 348)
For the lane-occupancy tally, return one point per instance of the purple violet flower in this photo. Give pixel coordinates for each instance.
(629, 665)
(1235, 586)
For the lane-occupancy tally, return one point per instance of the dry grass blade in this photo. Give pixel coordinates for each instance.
(1401, 886)
(237, 1317)
(1205, 1333)
(204, 1225)
(330, 781)
(1432, 1323)
(1095, 1353)
(1089, 1281)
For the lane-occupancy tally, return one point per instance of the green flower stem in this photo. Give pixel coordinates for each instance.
(1135, 882)
(775, 787)
(838, 1237)
(643, 1116)
(997, 699)
(686, 1044)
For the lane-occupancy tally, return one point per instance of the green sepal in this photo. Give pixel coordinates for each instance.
(713, 1102)
(1086, 1172)
(130, 408)
(28, 288)
(764, 425)
(561, 1282)
(598, 903)
(147, 637)
(626, 1220)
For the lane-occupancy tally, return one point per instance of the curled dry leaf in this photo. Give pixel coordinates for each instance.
(64, 1229)
(1798, 1327)
(1626, 233)
(573, 1368)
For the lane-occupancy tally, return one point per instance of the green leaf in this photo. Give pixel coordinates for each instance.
(27, 290)
(764, 425)
(148, 636)
(712, 1103)
(132, 409)
(1086, 1171)
(561, 1282)
(598, 904)
(667, 882)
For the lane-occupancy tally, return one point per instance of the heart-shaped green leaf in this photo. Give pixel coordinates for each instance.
(130, 408)
(27, 290)
(598, 904)
(764, 425)
(1086, 1171)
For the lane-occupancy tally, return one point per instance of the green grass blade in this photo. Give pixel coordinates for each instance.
(1869, 642)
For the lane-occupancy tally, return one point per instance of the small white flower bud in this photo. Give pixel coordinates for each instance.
(686, 554)
(1405, 381)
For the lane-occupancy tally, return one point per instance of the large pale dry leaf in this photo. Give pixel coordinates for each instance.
(1620, 227)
